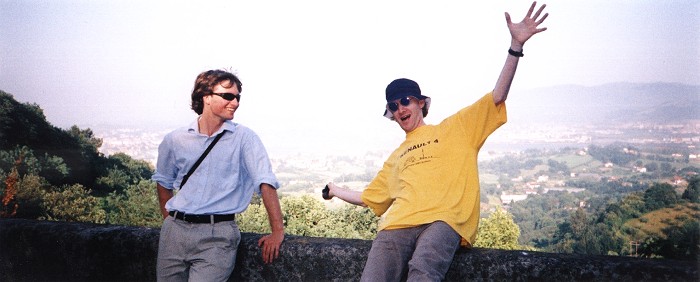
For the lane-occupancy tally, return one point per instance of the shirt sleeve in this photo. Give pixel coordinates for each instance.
(166, 171)
(377, 195)
(479, 120)
(257, 162)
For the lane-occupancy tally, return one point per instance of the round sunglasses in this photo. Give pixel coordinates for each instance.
(228, 96)
(394, 106)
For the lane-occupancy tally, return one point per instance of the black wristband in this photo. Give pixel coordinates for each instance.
(515, 53)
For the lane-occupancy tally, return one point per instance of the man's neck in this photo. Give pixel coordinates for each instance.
(209, 126)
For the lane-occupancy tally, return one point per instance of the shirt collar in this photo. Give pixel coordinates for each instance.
(228, 125)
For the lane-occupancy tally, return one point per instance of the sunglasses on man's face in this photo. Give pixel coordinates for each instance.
(394, 106)
(228, 96)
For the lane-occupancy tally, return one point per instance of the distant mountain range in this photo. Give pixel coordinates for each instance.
(608, 103)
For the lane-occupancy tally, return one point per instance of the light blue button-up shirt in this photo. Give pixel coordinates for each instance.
(226, 179)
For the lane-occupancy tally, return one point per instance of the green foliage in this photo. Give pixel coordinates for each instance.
(73, 203)
(31, 191)
(539, 216)
(304, 216)
(692, 192)
(659, 195)
(682, 243)
(86, 138)
(558, 167)
(254, 219)
(22, 158)
(508, 165)
(115, 180)
(618, 154)
(19, 122)
(308, 216)
(53, 169)
(498, 231)
(353, 222)
(26, 125)
(119, 171)
(652, 216)
(575, 235)
(616, 214)
(137, 205)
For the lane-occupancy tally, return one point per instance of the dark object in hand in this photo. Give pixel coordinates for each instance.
(324, 193)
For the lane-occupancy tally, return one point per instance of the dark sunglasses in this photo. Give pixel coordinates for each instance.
(394, 106)
(228, 96)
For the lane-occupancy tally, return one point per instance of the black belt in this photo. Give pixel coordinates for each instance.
(202, 218)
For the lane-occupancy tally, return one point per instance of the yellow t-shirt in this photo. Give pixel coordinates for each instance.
(433, 175)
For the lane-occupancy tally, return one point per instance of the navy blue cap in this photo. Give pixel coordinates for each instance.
(404, 87)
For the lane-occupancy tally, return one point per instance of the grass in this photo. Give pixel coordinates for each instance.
(653, 223)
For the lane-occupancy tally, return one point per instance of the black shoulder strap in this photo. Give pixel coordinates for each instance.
(201, 158)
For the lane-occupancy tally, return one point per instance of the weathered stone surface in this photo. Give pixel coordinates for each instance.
(303, 259)
(55, 251)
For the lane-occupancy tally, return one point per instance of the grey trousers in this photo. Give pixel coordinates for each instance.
(422, 253)
(197, 251)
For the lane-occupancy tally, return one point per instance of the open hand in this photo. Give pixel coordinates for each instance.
(522, 31)
(270, 245)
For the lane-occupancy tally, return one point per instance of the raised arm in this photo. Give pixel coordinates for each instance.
(520, 33)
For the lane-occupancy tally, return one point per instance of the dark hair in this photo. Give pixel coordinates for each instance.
(205, 83)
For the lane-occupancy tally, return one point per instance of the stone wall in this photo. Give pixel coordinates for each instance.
(54, 251)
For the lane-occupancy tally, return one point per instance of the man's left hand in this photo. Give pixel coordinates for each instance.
(270, 245)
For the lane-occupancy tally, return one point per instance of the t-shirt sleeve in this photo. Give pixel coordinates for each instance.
(377, 196)
(479, 120)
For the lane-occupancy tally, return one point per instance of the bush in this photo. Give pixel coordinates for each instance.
(73, 203)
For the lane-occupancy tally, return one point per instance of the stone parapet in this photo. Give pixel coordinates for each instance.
(57, 251)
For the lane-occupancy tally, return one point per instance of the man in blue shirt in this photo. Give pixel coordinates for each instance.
(199, 237)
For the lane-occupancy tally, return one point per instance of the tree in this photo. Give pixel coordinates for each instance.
(31, 190)
(254, 218)
(119, 171)
(53, 169)
(692, 193)
(303, 214)
(73, 203)
(659, 195)
(498, 231)
(137, 205)
(21, 158)
(308, 216)
(352, 222)
(682, 243)
(616, 153)
(26, 125)
(652, 167)
(86, 138)
(116, 180)
(558, 167)
(578, 235)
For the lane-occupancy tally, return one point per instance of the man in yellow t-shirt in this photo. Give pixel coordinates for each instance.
(428, 188)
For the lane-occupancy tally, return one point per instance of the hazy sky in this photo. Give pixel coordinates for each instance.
(315, 71)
